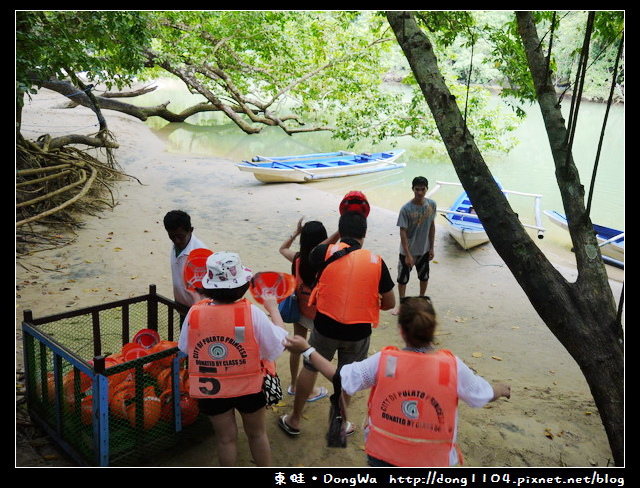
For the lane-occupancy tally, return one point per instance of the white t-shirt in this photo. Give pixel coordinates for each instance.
(474, 390)
(268, 335)
(180, 292)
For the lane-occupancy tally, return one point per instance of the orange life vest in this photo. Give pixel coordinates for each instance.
(412, 408)
(348, 288)
(303, 293)
(224, 357)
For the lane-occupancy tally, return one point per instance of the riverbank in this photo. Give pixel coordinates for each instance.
(484, 316)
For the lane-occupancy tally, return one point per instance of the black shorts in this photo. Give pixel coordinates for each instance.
(422, 268)
(243, 404)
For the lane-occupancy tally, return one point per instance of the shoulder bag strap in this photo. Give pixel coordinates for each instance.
(336, 255)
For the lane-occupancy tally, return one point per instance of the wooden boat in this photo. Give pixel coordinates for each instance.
(611, 241)
(311, 167)
(465, 226)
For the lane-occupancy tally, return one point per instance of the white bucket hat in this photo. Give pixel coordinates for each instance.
(225, 270)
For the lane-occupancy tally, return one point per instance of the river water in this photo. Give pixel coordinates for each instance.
(528, 168)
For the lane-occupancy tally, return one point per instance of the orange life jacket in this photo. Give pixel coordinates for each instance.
(412, 408)
(303, 293)
(348, 288)
(224, 357)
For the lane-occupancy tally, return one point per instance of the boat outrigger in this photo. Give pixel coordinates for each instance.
(464, 224)
(611, 241)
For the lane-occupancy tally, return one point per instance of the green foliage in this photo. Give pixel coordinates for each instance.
(326, 68)
(564, 40)
(270, 58)
(317, 68)
(106, 46)
(498, 57)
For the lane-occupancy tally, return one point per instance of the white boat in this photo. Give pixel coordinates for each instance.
(465, 226)
(311, 167)
(611, 241)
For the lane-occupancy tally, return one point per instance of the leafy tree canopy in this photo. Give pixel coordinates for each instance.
(105, 45)
(311, 70)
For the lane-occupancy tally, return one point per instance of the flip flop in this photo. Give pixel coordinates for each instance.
(290, 390)
(282, 422)
(350, 430)
(323, 393)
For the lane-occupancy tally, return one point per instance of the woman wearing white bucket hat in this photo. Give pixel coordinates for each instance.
(227, 338)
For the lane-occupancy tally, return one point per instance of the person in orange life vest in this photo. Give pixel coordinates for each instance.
(177, 223)
(412, 405)
(226, 337)
(311, 234)
(350, 293)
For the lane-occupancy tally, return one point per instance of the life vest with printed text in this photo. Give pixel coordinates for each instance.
(224, 357)
(347, 290)
(412, 408)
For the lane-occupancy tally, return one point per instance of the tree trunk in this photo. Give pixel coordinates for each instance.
(604, 367)
(581, 315)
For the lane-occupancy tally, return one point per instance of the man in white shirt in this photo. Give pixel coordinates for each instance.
(177, 223)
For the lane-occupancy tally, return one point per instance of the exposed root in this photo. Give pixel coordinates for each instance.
(55, 187)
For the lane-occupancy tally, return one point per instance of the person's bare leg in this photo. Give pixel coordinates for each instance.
(294, 358)
(294, 362)
(423, 288)
(256, 429)
(226, 435)
(304, 386)
(294, 366)
(401, 291)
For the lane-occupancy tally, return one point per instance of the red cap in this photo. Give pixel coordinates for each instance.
(355, 201)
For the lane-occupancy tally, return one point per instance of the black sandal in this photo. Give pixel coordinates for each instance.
(286, 427)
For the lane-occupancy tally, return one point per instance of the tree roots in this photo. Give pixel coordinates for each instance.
(55, 187)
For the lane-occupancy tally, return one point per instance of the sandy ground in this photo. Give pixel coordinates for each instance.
(484, 316)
